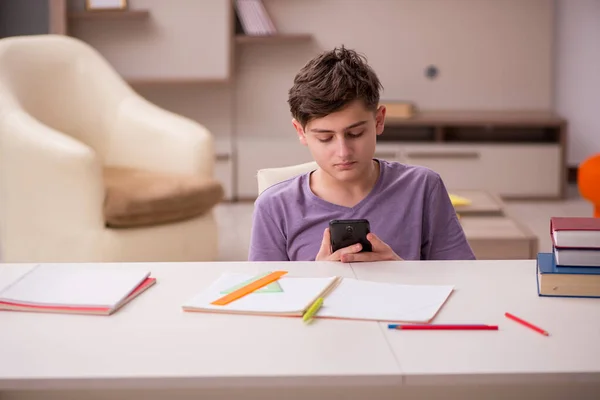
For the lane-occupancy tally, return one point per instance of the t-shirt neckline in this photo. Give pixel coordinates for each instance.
(337, 207)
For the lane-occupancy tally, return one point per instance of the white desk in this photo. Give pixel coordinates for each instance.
(151, 349)
(515, 355)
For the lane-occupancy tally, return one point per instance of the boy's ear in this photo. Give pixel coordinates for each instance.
(300, 130)
(380, 120)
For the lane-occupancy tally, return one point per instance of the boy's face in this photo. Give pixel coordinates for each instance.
(343, 143)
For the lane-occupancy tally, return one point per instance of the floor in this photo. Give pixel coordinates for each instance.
(235, 220)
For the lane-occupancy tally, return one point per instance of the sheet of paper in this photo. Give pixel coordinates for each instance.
(296, 294)
(77, 285)
(355, 299)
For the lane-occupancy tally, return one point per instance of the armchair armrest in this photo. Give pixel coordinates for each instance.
(148, 137)
(48, 181)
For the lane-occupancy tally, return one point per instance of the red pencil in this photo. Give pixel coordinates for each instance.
(443, 327)
(527, 324)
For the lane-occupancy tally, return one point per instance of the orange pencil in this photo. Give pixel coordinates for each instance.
(527, 324)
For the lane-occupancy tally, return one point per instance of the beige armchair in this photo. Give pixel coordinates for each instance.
(76, 139)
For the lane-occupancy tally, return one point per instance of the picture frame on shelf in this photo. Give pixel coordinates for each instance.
(105, 5)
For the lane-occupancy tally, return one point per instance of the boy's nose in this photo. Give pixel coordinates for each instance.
(343, 149)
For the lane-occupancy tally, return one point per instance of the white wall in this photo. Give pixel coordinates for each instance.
(491, 54)
(577, 90)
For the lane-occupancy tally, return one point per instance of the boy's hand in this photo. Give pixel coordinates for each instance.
(381, 252)
(325, 253)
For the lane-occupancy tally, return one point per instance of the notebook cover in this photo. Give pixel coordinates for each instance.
(8, 306)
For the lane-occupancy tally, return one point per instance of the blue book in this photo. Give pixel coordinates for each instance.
(566, 281)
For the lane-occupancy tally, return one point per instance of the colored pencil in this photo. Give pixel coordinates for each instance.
(527, 324)
(444, 327)
(312, 311)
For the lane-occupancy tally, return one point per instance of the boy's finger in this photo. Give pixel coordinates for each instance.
(361, 257)
(376, 243)
(355, 248)
(325, 243)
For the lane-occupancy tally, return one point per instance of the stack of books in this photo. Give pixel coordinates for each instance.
(572, 269)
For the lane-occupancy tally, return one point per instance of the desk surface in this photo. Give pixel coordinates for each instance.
(152, 343)
(484, 291)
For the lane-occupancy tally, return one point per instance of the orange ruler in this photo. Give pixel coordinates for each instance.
(249, 288)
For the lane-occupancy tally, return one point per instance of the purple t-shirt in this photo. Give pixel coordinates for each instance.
(408, 208)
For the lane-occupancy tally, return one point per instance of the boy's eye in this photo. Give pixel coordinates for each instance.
(324, 140)
(355, 135)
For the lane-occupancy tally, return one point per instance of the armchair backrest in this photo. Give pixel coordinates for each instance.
(268, 177)
(63, 83)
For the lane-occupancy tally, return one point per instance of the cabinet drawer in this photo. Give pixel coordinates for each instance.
(511, 170)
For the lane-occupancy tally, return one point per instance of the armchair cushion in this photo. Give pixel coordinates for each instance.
(140, 198)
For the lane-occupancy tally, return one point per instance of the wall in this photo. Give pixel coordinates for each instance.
(577, 75)
(23, 17)
(491, 54)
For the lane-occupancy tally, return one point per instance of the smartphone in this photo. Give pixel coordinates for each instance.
(347, 232)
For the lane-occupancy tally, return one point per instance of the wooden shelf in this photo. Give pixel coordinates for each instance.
(110, 14)
(174, 81)
(280, 38)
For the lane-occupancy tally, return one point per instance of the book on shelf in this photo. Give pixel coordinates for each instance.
(344, 298)
(252, 18)
(75, 289)
(400, 109)
(572, 281)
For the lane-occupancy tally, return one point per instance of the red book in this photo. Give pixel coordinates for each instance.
(575, 232)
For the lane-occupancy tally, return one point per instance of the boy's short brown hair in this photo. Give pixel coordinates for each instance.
(329, 82)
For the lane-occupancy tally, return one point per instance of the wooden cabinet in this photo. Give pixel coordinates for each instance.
(511, 170)
(512, 154)
(155, 41)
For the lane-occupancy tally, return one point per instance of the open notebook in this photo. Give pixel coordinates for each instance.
(75, 288)
(345, 298)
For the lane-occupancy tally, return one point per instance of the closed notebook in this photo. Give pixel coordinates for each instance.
(345, 298)
(75, 288)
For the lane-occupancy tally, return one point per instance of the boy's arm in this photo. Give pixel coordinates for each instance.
(267, 239)
(443, 236)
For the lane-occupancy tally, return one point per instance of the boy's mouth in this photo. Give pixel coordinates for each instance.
(345, 165)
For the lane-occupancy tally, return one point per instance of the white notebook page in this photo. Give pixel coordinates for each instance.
(75, 285)
(355, 299)
(297, 293)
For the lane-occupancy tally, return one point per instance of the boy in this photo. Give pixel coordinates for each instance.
(336, 113)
